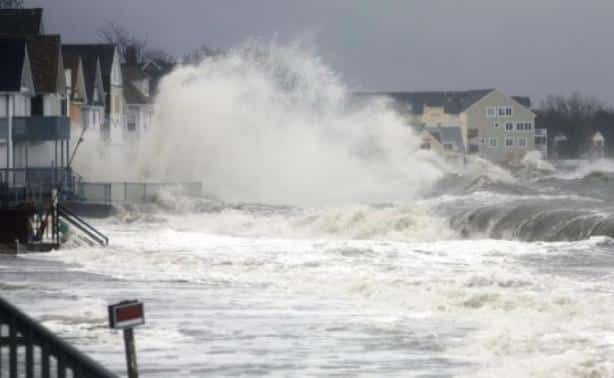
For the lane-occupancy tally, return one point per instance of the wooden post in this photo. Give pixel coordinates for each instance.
(130, 353)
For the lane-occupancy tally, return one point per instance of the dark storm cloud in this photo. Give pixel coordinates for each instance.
(532, 47)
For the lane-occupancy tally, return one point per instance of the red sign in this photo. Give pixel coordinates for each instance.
(126, 314)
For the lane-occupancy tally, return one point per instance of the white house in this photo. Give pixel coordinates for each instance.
(139, 109)
(16, 90)
(93, 108)
(108, 64)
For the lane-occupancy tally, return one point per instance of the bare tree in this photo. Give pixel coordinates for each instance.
(196, 56)
(157, 54)
(11, 4)
(131, 46)
(122, 38)
(575, 116)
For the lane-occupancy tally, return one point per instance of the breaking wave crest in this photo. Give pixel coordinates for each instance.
(272, 124)
(536, 221)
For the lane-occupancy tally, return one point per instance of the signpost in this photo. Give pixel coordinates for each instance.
(126, 315)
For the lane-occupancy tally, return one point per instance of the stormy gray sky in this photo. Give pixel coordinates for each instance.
(524, 47)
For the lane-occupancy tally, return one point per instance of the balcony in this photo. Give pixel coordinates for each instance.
(37, 128)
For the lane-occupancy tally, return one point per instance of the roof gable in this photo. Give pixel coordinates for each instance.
(520, 101)
(92, 70)
(74, 63)
(21, 22)
(104, 52)
(46, 61)
(453, 102)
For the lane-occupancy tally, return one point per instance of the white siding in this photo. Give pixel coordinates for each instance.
(52, 105)
(39, 154)
(22, 105)
(3, 106)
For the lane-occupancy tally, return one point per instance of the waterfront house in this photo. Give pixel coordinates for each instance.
(450, 138)
(139, 109)
(16, 90)
(49, 107)
(75, 87)
(34, 125)
(93, 106)
(492, 125)
(107, 55)
(156, 69)
(597, 147)
(37, 130)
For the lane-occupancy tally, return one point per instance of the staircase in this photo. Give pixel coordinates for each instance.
(87, 229)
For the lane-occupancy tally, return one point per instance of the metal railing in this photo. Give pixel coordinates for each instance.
(89, 230)
(131, 192)
(28, 349)
(18, 185)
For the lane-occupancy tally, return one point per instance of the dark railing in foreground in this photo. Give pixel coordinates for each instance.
(27, 348)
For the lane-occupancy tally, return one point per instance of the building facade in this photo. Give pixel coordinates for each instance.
(104, 60)
(491, 124)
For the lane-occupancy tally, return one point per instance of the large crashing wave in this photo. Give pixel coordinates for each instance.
(273, 124)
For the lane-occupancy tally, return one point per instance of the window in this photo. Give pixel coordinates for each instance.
(447, 146)
(509, 142)
(501, 111)
(524, 126)
(496, 125)
(491, 112)
(540, 140)
(522, 142)
(36, 105)
(508, 111)
(509, 126)
(473, 149)
(492, 142)
(482, 140)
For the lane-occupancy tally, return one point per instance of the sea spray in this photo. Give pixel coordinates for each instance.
(273, 124)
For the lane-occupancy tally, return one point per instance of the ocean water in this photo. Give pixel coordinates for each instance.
(480, 277)
(329, 244)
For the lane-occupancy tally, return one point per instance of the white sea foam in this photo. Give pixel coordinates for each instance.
(273, 124)
(534, 160)
(584, 168)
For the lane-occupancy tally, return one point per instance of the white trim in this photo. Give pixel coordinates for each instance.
(509, 139)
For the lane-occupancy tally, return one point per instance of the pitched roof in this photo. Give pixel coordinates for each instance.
(71, 62)
(524, 101)
(90, 63)
(21, 22)
(13, 53)
(452, 135)
(134, 96)
(453, 102)
(45, 59)
(103, 51)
